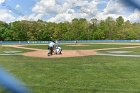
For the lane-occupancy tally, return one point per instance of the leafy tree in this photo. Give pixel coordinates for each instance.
(120, 21)
(77, 29)
(3, 27)
(19, 29)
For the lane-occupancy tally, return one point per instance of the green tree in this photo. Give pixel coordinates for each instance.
(3, 27)
(120, 21)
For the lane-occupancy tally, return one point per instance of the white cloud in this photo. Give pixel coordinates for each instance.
(61, 17)
(135, 17)
(2, 1)
(67, 17)
(44, 6)
(70, 9)
(67, 10)
(17, 6)
(90, 8)
(103, 16)
(113, 9)
(32, 17)
(6, 16)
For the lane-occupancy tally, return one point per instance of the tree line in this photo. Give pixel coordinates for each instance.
(77, 29)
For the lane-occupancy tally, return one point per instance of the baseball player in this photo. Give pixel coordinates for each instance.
(75, 42)
(51, 48)
(58, 50)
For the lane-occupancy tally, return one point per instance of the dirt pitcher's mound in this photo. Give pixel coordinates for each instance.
(65, 53)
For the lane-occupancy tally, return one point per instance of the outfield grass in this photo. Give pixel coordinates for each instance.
(100, 74)
(88, 46)
(131, 51)
(91, 74)
(2, 49)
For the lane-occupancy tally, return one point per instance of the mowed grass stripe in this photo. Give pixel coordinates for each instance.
(131, 51)
(3, 48)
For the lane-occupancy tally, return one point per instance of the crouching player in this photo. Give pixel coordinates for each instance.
(58, 50)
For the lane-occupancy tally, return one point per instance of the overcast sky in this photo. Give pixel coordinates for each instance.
(65, 10)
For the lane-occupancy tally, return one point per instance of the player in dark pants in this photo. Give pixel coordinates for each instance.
(51, 48)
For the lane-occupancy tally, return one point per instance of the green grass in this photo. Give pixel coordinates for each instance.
(131, 51)
(91, 74)
(89, 46)
(2, 49)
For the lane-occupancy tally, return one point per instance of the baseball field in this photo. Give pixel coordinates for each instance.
(81, 68)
